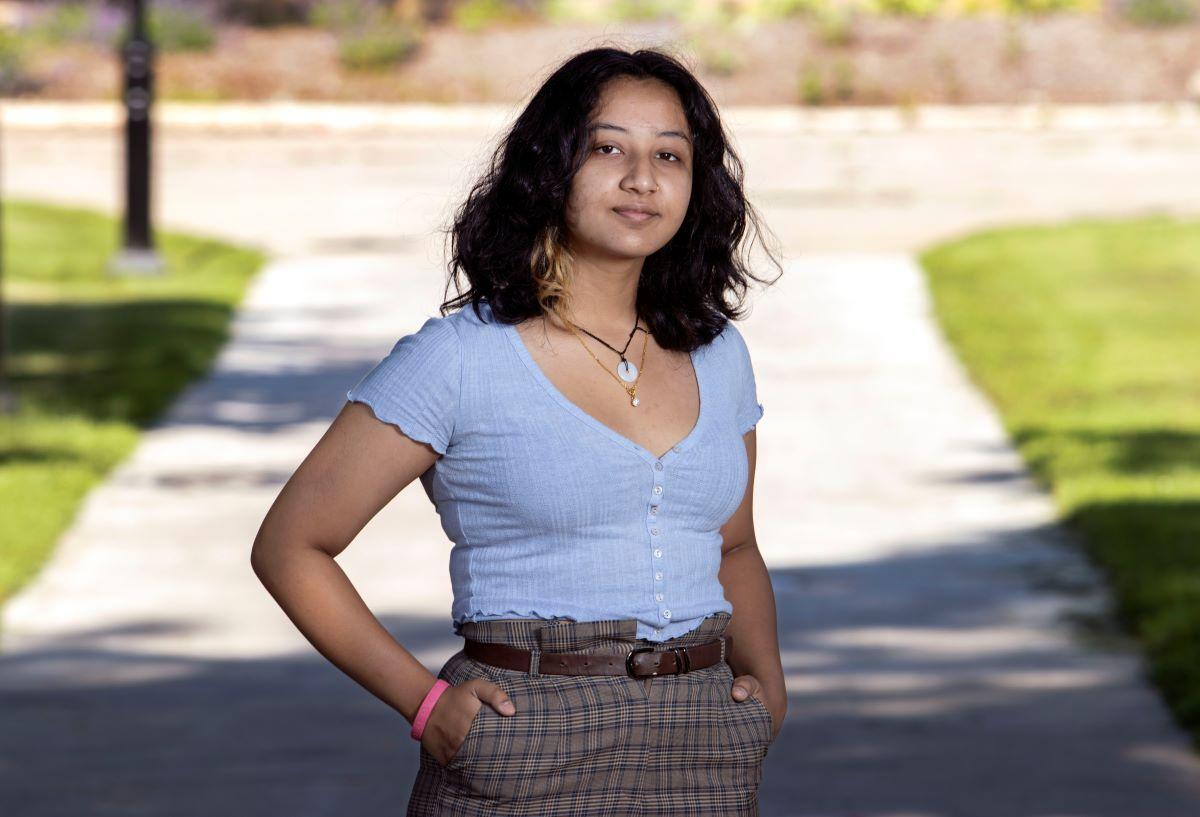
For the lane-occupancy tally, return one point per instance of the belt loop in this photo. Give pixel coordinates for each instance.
(722, 648)
(535, 657)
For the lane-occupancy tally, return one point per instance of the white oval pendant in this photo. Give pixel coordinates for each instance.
(627, 371)
(636, 401)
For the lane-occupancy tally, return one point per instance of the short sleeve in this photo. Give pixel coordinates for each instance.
(749, 410)
(416, 387)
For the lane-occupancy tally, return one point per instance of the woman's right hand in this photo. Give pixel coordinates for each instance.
(455, 711)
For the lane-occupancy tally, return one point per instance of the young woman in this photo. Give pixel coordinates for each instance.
(584, 425)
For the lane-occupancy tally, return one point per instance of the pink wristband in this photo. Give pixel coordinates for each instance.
(431, 698)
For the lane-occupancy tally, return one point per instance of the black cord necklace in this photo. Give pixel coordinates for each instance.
(625, 369)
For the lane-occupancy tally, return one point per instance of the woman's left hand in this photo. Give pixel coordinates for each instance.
(746, 685)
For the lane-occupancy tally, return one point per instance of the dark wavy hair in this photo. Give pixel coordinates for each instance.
(507, 237)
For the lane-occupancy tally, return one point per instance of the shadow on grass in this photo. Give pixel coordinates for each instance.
(114, 361)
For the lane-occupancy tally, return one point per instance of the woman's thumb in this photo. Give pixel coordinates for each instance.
(499, 700)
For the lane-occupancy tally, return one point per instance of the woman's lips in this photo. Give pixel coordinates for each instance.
(635, 215)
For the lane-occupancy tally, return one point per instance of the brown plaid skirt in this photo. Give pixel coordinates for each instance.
(667, 746)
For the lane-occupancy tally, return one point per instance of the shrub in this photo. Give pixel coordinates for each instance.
(843, 79)
(782, 9)
(377, 47)
(1158, 12)
(172, 25)
(834, 25)
(264, 13)
(1034, 7)
(474, 15)
(812, 87)
(906, 8)
(13, 76)
(341, 15)
(180, 26)
(718, 51)
(63, 23)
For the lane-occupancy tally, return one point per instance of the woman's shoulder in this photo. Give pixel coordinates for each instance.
(728, 347)
(730, 334)
(474, 319)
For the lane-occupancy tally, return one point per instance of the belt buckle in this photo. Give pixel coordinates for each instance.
(629, 659)
(682, 662)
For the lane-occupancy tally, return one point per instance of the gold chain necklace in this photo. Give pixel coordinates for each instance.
(631, 389)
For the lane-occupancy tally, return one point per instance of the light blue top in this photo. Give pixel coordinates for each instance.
(552, 513)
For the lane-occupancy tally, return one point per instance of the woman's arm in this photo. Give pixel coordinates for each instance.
(747, 585)
(355, 469)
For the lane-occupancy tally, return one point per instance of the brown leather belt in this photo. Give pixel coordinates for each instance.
(641, 662)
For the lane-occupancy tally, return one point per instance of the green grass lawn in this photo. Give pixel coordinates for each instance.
(94, 358)
(1086, 337)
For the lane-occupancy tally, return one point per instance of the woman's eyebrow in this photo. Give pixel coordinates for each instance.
(611, 126)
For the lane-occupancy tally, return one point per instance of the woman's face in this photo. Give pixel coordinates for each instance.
(639, 155)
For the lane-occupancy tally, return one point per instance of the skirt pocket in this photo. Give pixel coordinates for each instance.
(507, 757)
(462, 754)
(748, 726)
(767, 719)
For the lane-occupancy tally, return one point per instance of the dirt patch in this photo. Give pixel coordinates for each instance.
(1059, 58)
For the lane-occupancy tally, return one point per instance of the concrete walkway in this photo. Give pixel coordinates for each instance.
(948, 649)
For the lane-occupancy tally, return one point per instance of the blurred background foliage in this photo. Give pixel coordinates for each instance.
(373, 36)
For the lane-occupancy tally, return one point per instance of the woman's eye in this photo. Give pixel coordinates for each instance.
(661, 153)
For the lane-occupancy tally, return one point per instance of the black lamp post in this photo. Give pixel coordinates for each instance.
(138, 254)
(8, 397)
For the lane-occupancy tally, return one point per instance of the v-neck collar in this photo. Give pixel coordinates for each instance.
(682, 445)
